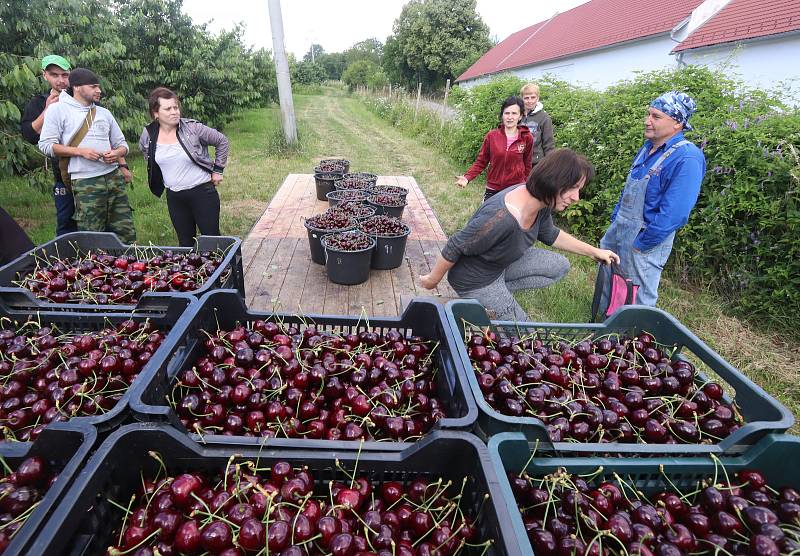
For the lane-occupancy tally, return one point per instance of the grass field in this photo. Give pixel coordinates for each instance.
(333, 125)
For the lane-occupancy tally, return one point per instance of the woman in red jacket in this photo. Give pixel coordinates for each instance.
(507, 149)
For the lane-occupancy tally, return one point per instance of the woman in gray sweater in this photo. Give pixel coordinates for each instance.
(492, 257)
(176, 152)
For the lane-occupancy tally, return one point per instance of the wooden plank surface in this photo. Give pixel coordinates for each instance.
(279, 273)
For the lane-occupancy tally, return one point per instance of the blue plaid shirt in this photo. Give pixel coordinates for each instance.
(671, 193)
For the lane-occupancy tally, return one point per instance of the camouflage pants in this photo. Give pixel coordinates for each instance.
(101, 205)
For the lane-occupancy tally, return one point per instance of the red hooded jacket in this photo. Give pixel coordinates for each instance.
(507, 167)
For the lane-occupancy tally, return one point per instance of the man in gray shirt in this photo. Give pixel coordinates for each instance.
(492, 257)
(101, 203)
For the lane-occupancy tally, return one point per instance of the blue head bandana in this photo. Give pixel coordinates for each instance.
(678, 106)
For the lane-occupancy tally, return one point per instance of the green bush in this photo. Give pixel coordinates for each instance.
(743, 237)
(308, 73)
(363, 72)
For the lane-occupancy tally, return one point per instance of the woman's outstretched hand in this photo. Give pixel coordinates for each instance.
(605, 256)
(461, 181)
(427, 282)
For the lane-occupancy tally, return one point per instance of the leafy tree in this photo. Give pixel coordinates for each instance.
(466, 62)
(369, 49)
(377, 79)
(432, 39)
(309, 73)
(134, 46)
(394, 63)
(334, 64)
(360, 72)
(314, 53)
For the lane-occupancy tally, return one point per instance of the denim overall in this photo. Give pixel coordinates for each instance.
(643, 267)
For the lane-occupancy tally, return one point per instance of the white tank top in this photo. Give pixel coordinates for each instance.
(179, 171)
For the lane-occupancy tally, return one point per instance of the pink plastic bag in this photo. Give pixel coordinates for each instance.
(612, 290)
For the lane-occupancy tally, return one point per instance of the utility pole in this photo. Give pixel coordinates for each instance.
(282, 72)
(446, 92)
(419, 94)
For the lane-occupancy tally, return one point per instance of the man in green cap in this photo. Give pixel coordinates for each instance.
(90, 142)
(55, 71)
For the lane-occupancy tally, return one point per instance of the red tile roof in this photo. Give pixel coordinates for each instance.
(593, 25)
(745, 19)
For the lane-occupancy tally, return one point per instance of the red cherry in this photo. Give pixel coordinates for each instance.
(187, 538)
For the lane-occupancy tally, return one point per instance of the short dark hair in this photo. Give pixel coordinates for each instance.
(511, 101)
(155, 98)
(557, 172)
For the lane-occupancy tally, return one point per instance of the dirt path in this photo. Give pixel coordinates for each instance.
(447, 113)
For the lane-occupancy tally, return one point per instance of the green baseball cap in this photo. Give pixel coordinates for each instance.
(55, 59)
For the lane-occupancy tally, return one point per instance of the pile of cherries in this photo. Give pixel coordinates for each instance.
(570, 514)
(286, 511)
(276, 380)
(51, 376)
(100, 278)
(366, 176)
(351, 184)
(331, 220)
(612, 389)
(384, 225)
(350, 195)
(20, 492)
(389, 190)
(332, 165)
(350, 241)
(355, 209)
(386, 200)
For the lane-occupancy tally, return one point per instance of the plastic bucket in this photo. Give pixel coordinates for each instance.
(336, 197)
(333, 166)
(389, 251)
(369, 178)
(351, 184)
(389, 190)
(348, 267)
(315, 236)
(396, 211)
(324, 182)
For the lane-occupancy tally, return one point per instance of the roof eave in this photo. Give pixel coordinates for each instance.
(678, 49)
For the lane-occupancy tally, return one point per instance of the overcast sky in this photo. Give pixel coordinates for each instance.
(338, 24)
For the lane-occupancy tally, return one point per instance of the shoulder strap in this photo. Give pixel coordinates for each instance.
(188, 153)
(666, 154)
(63, 161)
(84, 129)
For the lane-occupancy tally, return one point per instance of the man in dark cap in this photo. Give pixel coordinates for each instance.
(88, 136)
(660, 192)
(55, 71)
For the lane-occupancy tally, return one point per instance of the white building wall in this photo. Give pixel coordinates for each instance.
(764, 63)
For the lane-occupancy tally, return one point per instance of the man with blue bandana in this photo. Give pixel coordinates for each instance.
(659, 193)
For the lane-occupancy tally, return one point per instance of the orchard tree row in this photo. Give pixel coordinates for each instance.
(431, 41)
(134, 46)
